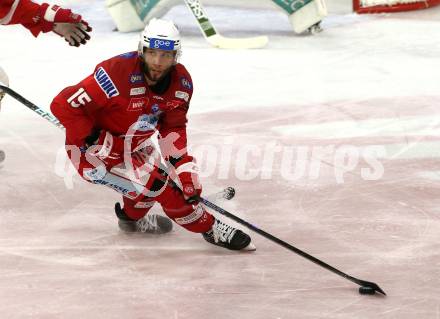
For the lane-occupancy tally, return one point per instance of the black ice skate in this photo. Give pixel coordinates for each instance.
(150, 223)
(228, 237)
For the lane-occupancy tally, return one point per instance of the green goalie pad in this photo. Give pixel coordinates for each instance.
(303, 14)
(133, 15)
(290, 6)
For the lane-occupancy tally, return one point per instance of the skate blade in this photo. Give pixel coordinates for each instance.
(250, 247)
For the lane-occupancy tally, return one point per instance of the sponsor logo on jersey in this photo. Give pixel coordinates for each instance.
(105, 83)
(137, 104)
(136, 78)
(155, 108)
(161, 44)
(186, 83)
(182, 95)
(173, 104)
(138, 91)
(157, 97)
(146, 122)
(79, 98)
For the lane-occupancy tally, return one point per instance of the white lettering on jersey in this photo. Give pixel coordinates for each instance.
(79, 98)
(138, 91)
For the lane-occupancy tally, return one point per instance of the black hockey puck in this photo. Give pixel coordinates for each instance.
(230, 193)
(366, 290)
(2, 156)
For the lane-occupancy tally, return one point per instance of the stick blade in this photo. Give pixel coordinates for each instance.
(222, 42)
(371, 285)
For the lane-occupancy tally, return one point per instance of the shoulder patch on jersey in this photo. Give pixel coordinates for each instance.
(105, 83)
(186, 83)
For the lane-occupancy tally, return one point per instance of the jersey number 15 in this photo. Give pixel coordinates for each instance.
(79, 98)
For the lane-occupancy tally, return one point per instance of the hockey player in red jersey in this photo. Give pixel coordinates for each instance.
(45, 18)
(110, 118)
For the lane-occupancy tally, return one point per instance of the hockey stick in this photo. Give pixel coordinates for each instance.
(131, 187)
(280, 242)
(217, 40)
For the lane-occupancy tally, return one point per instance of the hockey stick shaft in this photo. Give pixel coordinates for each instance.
(290, 247)
(205, 25)
(217, 40)
(31, 106)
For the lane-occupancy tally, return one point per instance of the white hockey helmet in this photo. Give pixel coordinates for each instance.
(160, 34)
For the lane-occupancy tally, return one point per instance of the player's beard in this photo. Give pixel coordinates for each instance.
(156, 75)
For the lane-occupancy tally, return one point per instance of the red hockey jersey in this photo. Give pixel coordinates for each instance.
(117, 99)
